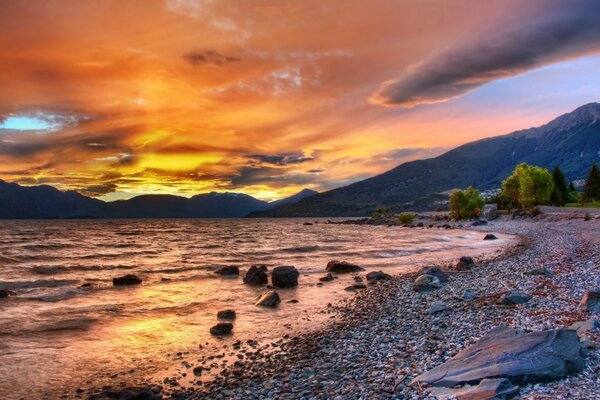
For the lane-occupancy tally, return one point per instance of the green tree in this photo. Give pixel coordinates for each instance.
(528, 186)
(465, 204)
(591, 188)
(560, 192)
(381, 212)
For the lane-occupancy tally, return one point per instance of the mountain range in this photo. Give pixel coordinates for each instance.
(571, 141)
(30, 202)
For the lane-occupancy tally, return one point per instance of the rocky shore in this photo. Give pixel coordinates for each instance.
(379, 343)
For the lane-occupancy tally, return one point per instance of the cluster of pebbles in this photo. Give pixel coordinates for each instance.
(384, 337)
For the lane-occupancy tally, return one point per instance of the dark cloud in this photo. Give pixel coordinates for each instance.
(276, 177)
(202, 57)
(316, 170)
(557, 33)
(99, 190)
(280, 159)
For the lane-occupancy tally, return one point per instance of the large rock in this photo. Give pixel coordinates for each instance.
(228, 270)
(426, 283)
(375, 276)
(130, 393)
(435, 271)
(489, 211)
(590, 301)
(513, 297)
(519, 357)
(221, 329)
(269, 299)
(226, 314)
(488, 389)
(342, 267)
(126, 280)
(490, 236)
(256, 276)
(285, 276)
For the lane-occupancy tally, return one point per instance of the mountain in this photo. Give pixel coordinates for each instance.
(22, 202)
(571, 141)
(301, 195)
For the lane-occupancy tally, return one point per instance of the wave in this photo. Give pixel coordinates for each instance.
(59, 269)
(41, 283)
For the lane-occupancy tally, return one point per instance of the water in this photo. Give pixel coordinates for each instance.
(56, 336)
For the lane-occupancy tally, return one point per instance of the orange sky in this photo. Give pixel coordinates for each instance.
(269, 97)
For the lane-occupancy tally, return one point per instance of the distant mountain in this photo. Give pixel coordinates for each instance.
(301, 195)
(23, 202)
(571, 141)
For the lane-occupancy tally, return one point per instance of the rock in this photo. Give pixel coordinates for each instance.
(539, 271)
(221, 329)
(349, 289)
(130, 393)
(375, 276)
(513, 297)
(307, 223)
(488, 389)
(519, 357)
(590, 301)
(586, 326)
(426, 283)
(490, 236)
(285, 276)
(226, 314)
(358, 278)
(489, 211)
(126, 280)
(256, 276)
(479, 223)
(464, 266)
(85, 285)
(469, 294)
(435, 271)
(269, 299)
(326, 278)
(359, 286)
(420, 225)
(228, 270)
(437, 306)
(341, 267)
(467, 260)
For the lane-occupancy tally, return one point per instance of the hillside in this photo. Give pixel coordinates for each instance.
(571, 141)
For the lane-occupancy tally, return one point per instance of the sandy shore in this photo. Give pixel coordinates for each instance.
(382, 338)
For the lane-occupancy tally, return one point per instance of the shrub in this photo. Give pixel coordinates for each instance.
(381, 212)
(406, 218)
(465, 204)
(528, 186)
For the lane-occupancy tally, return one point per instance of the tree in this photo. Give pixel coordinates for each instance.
(560, 192)
(528, 186)
(591, 187)
(465, 204)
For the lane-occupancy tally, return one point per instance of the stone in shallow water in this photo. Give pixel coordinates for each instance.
(126, 280)
(490, 236)
(285, 276)
(256, 276)
(341, 267)
(228, 270)
(487, 389)
(226, 314)
(222, 328)
(326, 278)
(519, 357)
(513, 297)
(590, 301)
(269, 299)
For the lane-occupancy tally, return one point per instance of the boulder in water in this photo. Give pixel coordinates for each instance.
(519, 357)
(228, 270)
(285, 276)
(342, 267)
(256, 276)
(269, 299)
(221, 329)
(326, 278)
(226, 314)
(375, 276)
(490, 236)
(128, 279)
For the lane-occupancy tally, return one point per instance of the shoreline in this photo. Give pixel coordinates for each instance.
(383, 338)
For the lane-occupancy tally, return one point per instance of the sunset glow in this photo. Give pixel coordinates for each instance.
(115, 99)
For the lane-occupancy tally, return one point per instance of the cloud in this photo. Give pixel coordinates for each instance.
(556, 34)
(202, 57)
(280, 159)
(99, 190)
(275, 177)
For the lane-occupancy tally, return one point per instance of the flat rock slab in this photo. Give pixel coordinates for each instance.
(519, 357)
(487, 389)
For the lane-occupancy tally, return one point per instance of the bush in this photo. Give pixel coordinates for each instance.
(381, 212)
(406, 218)
(465, 204)
(527, 186)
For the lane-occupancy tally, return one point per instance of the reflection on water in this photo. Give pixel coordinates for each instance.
(56, 335)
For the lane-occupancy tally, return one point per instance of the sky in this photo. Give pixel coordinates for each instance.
(120, 98)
